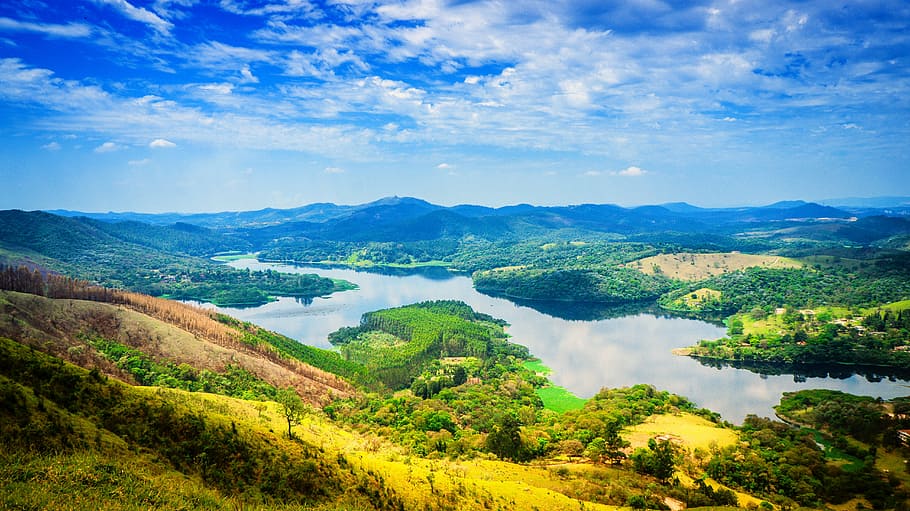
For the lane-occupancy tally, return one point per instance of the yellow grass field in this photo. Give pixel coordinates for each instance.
(693, 267)
(689, 431)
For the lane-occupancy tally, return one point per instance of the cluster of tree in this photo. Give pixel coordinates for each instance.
(331, 363)
(844, 415)
(234, 381)
(565, 251)
(785, 465)
(889, 321)
(227, 286)
(879, 281)
(398, 344)
(605, 285)
(358, 253)
(832, 343)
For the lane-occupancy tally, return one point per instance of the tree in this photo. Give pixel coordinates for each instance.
(614, 444)
(292, 406)
(659, 460)
(505, 439)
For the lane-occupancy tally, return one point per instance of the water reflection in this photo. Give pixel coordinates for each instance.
(588, 347)
(801, 373)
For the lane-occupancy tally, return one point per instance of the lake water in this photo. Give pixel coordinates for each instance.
(588, 348)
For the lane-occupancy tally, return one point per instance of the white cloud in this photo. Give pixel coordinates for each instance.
(632, 172)
(592, 173)
(247, 75)
(160, 143)
(444, 166)
(139, 14)
(218, 88)
(51, 29)
(139, 163)
(107, 147)
(299, 7)
(334, 170)
(51, 146)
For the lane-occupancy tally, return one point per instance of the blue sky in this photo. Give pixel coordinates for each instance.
(195, 105)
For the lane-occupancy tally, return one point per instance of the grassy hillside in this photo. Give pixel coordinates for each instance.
(88, 333)
(695, 267)
(102, 444)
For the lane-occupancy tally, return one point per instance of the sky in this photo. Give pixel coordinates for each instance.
(208, 105)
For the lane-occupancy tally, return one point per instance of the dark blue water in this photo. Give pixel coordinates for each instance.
(588, 348)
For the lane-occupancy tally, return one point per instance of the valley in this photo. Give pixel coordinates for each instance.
(443, 377)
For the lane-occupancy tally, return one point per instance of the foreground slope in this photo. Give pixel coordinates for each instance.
(73, 330)
(107, 445)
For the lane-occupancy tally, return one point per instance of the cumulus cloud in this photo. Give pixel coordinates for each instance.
(51, 146)
(160, 143)
(107, 147)
(444, 166)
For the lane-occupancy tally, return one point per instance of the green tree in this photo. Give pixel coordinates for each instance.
(659, 460)
(292, 406)
(505, 439)
(614, 444)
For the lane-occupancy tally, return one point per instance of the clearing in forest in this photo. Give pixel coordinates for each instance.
(694, 267)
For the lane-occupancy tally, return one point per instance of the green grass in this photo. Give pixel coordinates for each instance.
(557, 399)
(851, 463)
(560, 400)
(897, 306)
(537, 366)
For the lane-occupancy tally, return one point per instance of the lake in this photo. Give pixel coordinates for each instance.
(587, 347)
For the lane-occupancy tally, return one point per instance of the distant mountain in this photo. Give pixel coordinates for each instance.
(868, 202)
(681, 207)
(407, 219)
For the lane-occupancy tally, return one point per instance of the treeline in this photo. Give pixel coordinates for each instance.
(605, 285)
(226, 286)
(192, 319)
(880, 281)
(559, 251)
(834, 344)
(345, 252)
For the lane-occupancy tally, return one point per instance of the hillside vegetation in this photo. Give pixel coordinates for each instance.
(155, 260)
(125, 334)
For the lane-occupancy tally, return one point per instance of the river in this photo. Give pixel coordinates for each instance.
(587, 348)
